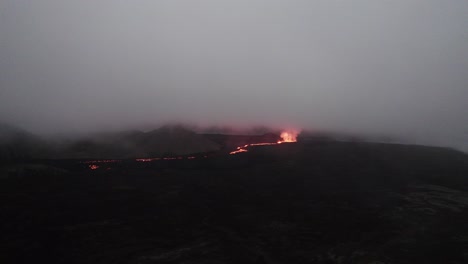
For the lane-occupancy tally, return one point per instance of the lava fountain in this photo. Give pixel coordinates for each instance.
(286, 137)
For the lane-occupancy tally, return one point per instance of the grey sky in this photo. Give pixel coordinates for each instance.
(399, 67)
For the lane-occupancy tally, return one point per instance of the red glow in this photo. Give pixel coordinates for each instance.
(165, 158)
(100, 161)
(147, 160)
(263, 144)
(286, 137)
(239, 150)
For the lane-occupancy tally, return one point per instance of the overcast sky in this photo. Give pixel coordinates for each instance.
(395, 67)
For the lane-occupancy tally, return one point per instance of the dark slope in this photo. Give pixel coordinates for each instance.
(16, 143)
(174, 140)
(168, 140)
(318, 202)
(231, 142)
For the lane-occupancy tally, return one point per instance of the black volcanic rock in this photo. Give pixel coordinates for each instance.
(233, 141)
(165, 141)
(16, 143)
(173, 140)
(306, 202)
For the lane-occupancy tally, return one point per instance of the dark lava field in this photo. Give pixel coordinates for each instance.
(306, 202)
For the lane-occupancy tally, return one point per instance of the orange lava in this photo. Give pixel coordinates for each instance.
(286, 137)
(239, 150)
(93, 167)
(263, 144)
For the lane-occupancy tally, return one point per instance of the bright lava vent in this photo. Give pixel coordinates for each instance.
(286, 137)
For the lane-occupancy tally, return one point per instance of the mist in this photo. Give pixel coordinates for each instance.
(384, 67)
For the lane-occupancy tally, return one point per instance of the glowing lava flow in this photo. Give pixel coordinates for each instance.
(286, 137)
(240, 150)
(93, 167)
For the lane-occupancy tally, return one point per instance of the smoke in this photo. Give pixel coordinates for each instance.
(371, 67)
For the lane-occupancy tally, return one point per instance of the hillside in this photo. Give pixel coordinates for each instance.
(16, 143)
(161, 142)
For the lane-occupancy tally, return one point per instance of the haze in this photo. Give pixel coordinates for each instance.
(391, 67)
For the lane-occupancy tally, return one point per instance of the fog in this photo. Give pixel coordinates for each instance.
(364, 66)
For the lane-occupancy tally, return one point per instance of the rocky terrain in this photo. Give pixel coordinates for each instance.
(310, 202)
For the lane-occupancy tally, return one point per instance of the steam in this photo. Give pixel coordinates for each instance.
(367, 67)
